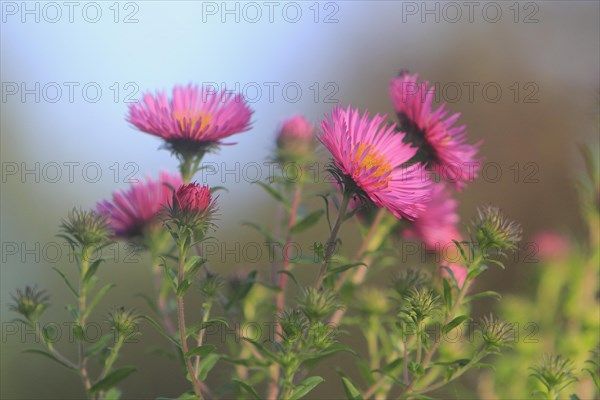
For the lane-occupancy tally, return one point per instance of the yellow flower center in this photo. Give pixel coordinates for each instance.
(369, 159)
(187, 119)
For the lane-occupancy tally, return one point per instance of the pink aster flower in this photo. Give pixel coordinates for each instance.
(373, 156)
(552, 245)
(442, 142)
(132, 212)
(192, 117)
(436, 226)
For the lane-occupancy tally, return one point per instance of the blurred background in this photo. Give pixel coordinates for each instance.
(524, 75)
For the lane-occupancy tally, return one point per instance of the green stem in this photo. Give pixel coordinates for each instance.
(205, 317)
(181, 318)
(332, 239)
(82, 305)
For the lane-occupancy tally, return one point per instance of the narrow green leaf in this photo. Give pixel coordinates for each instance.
(112, 379)
(352, 393)
(206, 365)
(91, 271)
(447, 294)
(161, 330)
(112, 394)
(263, 350)
(99, 296)
(100, 345)
(247, 388)
(243, 290)
(307, 222)
(151, 303)
(305, 387)
(50, 356)
(454, 323)
(268, 235)
(487, 293)
(201, 351)
(275, 194)
(64, 277)
(343, 268)
(288, 273)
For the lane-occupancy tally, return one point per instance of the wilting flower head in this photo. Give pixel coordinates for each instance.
(441, 143)
(409, 279)
(295, 139)
(419, 304)
(30, 303)
(370, 156)
(317, 304)
(133, 212)
(436, 226)
(193, 119)
(494, 230)
(191, 205)
(86, 228)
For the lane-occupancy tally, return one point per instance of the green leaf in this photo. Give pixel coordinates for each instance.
(288, 273)
(100, 345)
(263, 350)
(247, 388)
(487, 293)
(352, 393)
(183, 287)
(78, 332)
(462, 252)
(112, 379)
(207, 364)
(101, 293)
(305, 387)
(447, 294)
(64, 277)
(268, 235)
(343, 268)
(151, 303)
(461, 362)
(242, 291)
(201, 351)
(91, 271)
(50, 356)
(161, 330)
(112, 394)
(193, 264)
(275, 194)
(307, 222)
(454, 323)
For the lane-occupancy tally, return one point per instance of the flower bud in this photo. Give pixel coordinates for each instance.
(30, 303)
(86, 228)
(420, 304)
(293, 325)
(554, 373)
(494, 230)
(317, 304)
(124, 323)
(295, 140)
(409, 279)
(496, 333)
(211, 285)
(373, 300)
(192, 205)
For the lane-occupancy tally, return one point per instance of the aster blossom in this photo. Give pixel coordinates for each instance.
(436, 226)
(193, 113)
(443, 143)
(132, 212)
(373, 156)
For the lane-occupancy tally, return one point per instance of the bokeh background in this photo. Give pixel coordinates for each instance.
(544, 56)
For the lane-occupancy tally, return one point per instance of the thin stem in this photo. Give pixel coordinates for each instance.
(181, 318)
(280, 296)
(82, 305)
(365, 245)
(332, 239)
(201, 335)
(112, 357)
